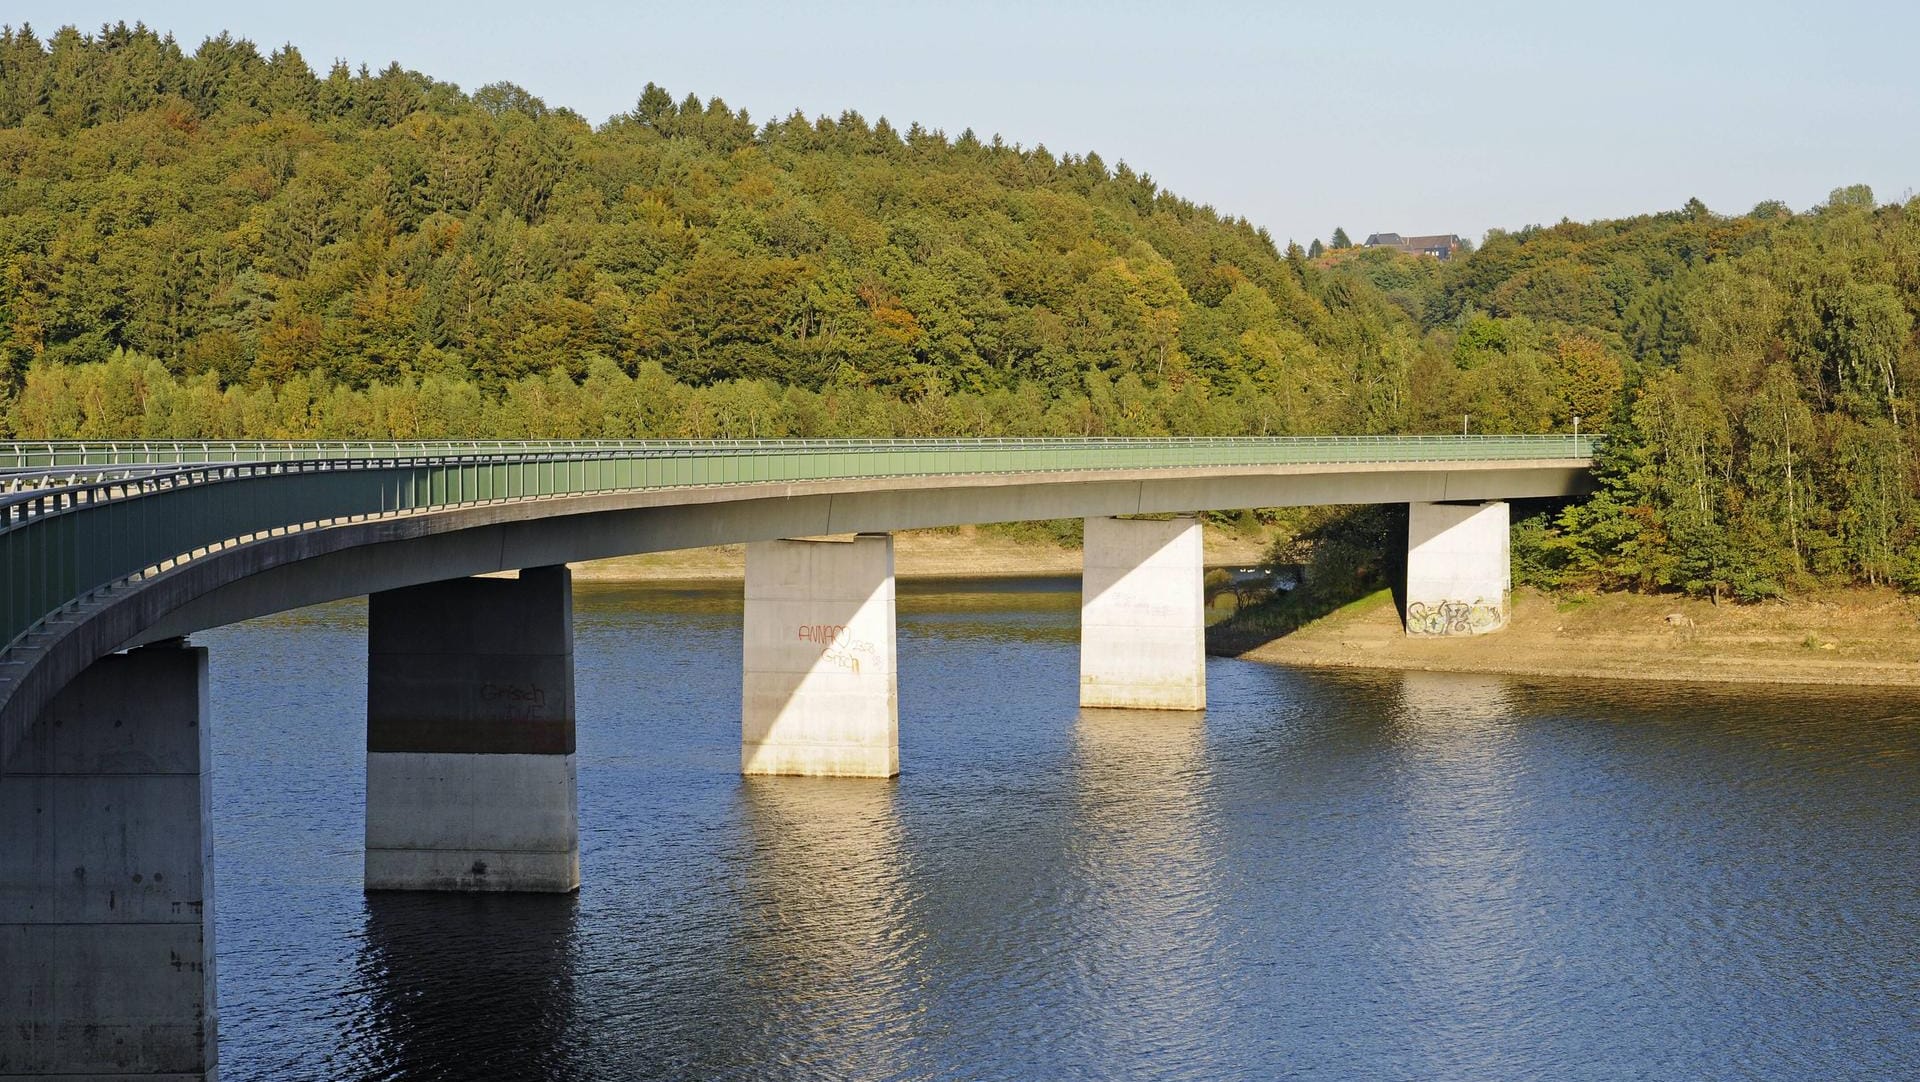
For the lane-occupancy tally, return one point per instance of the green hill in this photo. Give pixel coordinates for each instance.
(223, 243)
(239, 215)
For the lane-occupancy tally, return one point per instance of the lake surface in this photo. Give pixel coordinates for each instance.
(1326, 876)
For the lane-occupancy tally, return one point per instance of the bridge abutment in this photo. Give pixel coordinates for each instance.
(470, 726)
(106, 877)
(1459, 568)
(1143, 615)
(819, 693)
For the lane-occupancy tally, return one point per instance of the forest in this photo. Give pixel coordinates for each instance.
(226, 243)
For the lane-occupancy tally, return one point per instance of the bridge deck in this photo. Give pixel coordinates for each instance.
(140, 511)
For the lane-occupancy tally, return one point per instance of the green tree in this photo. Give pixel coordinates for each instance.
(221, 242)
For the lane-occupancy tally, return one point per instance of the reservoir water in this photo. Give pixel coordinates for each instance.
(1326, 876)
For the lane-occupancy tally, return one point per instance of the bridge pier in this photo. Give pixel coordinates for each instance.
(106, 877)
(1143, 627)
(819, 693)
(470, 755)
(1459, 568)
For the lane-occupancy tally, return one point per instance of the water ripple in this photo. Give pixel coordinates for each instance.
(1326, 876)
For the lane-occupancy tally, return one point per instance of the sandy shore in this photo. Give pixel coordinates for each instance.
(1855, 637)
(966, 552)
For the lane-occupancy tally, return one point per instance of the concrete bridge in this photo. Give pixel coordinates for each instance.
(112, 553)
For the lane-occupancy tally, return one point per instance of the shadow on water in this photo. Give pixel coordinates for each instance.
(467, 986)
(1025, 593)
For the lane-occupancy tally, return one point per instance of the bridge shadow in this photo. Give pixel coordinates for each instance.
(1267, 621)
(468, 986)
(1355, 556)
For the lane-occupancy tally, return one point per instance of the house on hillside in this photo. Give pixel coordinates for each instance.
(1439, 246)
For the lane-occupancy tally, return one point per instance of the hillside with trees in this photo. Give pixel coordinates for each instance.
(229, 243)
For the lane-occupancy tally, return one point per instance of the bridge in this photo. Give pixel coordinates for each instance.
(112, 553)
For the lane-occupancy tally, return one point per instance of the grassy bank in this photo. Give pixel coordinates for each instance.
(1853, 636)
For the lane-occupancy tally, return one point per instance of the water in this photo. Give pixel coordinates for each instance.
(1328, 876)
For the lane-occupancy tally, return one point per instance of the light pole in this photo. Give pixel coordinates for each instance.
(1576, 428)
(1463, 423)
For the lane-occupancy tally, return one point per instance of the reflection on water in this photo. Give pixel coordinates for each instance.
(1462, 935)
(1325, 876)
(432, 967)
(1146, 865)
(825, 931)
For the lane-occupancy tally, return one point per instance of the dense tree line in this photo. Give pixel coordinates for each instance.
(1762, 413)
(226, 243)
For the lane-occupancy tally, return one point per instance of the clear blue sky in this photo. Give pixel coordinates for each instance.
(1418, 118)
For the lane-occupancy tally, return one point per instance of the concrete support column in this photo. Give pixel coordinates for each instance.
(819, 694)
(1459, 574)
(470, 772)
(106, 877)
(1143, 625)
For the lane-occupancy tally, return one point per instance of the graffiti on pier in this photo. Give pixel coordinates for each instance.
(519, 702)
(826, 634)
(1453, 617)
(838, 645)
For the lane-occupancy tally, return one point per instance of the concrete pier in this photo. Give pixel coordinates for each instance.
(106, 877)
(818, 687)
(1143, 628)
(1459, 568)
(470, 755)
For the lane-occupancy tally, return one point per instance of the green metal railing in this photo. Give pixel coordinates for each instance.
(60, 544)
(57, 454)
(60, 455)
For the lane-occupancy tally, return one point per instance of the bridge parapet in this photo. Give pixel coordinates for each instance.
(58, 456)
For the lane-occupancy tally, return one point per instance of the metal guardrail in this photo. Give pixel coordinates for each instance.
(77, 455)
(61, 544)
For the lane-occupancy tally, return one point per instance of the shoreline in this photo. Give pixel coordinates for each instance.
(964, 552)
(1862, 638)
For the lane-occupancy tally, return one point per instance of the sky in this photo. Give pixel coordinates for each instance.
(1412, 118)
